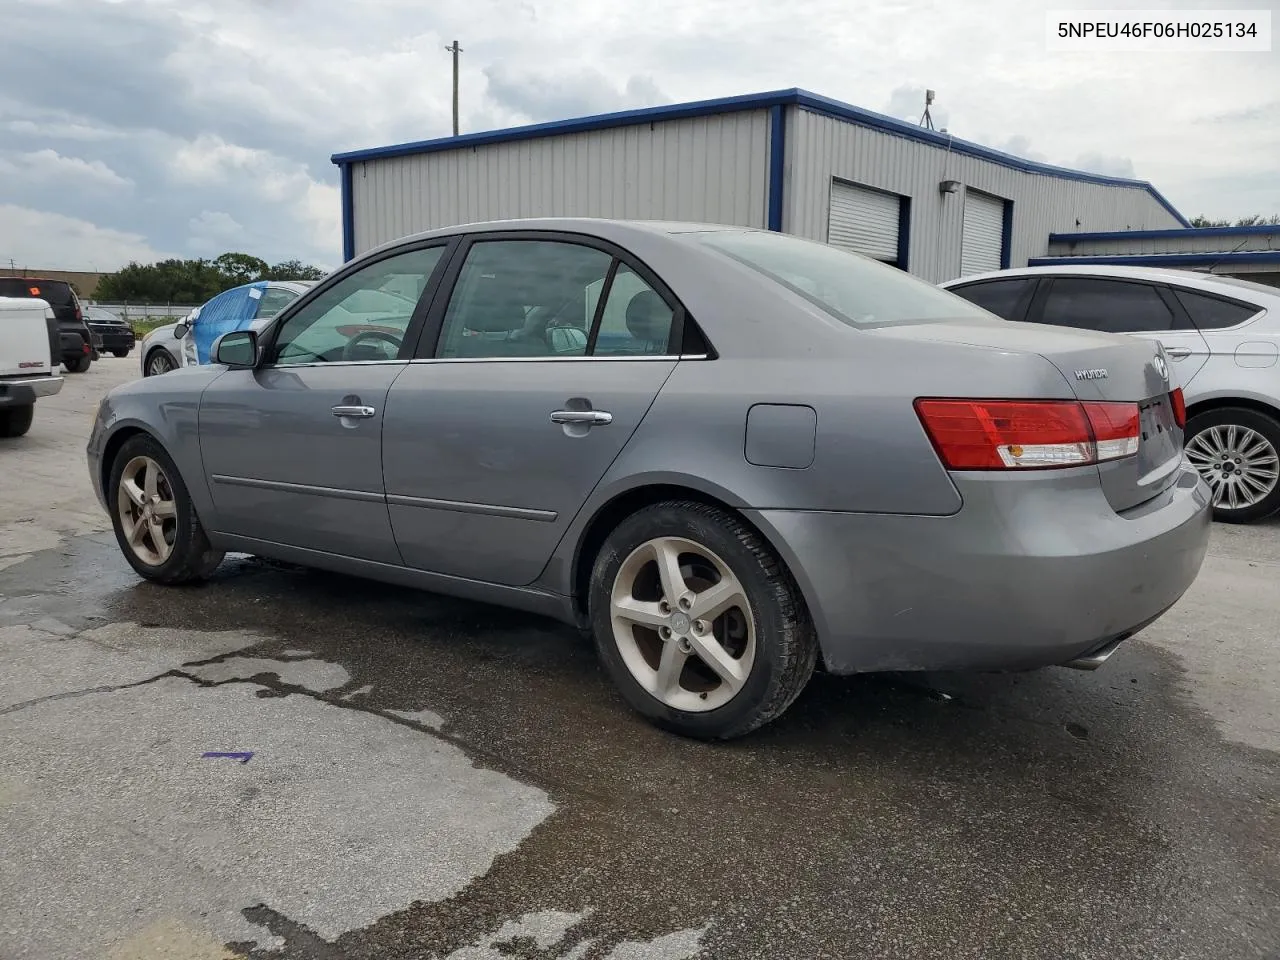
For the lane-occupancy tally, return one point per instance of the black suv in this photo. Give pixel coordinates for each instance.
(76, 346)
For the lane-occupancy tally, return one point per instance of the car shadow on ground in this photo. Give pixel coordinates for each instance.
(1044, 813)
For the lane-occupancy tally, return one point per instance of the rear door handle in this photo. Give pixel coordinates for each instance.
(592, 418)
(1178, 353)
(353, 410)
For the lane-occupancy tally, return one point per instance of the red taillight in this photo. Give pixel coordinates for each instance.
(86, 348)
(1179, 405)
(1028, 434)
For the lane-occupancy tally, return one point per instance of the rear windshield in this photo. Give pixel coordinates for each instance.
(857, 290)
(56, 293)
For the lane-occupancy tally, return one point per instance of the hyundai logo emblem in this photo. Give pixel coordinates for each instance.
(1162, 368)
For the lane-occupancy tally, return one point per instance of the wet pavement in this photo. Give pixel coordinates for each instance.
(438, 779)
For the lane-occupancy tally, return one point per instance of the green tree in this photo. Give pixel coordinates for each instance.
(293, 270)
(241, 267)
(195, 281)
(1255, 220)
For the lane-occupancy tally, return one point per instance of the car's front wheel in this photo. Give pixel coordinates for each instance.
(1237, 451)
(698, 622)
(158, 362)
(154, 519)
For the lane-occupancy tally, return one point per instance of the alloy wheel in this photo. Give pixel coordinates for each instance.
(1240, 465)
(683, 624)
(148, 511)
(159, 363)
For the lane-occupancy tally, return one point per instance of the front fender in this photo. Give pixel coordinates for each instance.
(168, 409)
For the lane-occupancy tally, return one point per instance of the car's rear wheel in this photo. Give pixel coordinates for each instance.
(16, 421)
(158, 362)
(1237, 451)
(79, 364)
(698, 622)
(120, 353)
(154, 519)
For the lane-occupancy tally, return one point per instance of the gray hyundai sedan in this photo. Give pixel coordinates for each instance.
(728, 453)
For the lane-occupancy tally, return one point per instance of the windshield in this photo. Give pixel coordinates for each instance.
(855, 289)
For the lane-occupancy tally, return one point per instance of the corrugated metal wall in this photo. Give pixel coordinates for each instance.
(712, 169)
(819, 148)
(1192, 243)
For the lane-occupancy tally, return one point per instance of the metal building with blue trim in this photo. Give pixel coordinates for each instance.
(788, 160)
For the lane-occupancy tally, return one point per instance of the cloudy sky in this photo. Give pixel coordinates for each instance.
(135, 129)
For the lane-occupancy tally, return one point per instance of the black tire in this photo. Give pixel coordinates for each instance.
(786, 643)
(1268, 427)
(78, 364)
(192, 558)
(16, 421)
(121, 354)
(158, 361)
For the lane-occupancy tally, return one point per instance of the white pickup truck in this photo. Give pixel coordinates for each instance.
(29, 357)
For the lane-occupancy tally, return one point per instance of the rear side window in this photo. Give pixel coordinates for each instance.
(1210, 313)
(57, 294)
(1005, 298)
(1110, 306)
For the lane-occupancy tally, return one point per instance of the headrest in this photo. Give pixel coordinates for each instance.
(648, 317)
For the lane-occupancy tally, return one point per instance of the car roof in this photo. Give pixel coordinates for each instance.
(597, 226)
(1228, 286)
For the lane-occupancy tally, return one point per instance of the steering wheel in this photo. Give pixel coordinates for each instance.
(349, 351)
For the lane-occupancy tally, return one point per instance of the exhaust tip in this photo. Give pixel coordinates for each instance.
(1100, 655)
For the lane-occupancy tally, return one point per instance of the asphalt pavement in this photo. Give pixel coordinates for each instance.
(408, 777)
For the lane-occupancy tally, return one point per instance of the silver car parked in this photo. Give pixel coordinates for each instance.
(726, 452)
(1221, 334)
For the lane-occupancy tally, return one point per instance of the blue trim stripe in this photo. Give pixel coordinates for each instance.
(348, 214)
(1006, 236)
(1161, 259)
(1259, 231)
(758, 101)
(777, 164)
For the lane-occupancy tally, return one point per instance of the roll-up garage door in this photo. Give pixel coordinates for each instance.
(864, 221)
(983, 233)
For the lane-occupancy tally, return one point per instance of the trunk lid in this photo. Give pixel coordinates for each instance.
(1097, 366)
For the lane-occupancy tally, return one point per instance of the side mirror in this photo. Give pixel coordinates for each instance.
(237, 349)
(181, 329)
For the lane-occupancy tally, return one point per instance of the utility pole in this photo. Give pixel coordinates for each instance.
(455, 50)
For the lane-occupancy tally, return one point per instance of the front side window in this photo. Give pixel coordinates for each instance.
(273, 300)
(363, 316)
(523, 298)
(854, 289)
(1110, 306)
(1007, 299)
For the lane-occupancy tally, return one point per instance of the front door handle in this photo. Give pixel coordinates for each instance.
(353, 410)
(1178, 353)
(592, 418)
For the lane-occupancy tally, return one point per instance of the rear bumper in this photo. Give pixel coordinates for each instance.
(1024, 575)
(24, 392)
(72, 344)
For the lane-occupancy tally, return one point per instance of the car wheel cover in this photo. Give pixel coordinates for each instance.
(683, 624)
(148, 511)
(159, 363)
(1240, 465)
